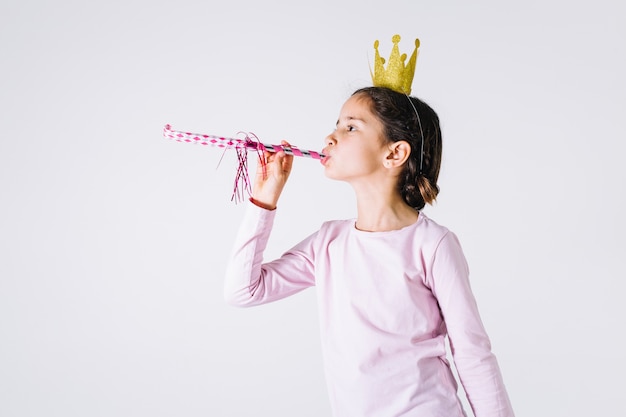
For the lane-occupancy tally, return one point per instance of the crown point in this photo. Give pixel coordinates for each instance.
(376, 43)
(417, 43)
(395, 39)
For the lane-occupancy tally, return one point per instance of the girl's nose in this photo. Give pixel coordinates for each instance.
(328, 142)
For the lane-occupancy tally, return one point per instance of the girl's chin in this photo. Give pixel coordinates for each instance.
(331, 175)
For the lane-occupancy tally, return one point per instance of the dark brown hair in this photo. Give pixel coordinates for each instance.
(410, 119)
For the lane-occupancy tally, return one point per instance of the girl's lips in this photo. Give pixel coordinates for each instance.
(324, 159)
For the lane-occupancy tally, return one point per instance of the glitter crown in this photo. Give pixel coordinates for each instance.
(398, 76)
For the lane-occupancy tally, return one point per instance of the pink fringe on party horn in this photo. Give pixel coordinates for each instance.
(242, 146)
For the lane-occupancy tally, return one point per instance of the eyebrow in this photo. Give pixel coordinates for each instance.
(351, 118)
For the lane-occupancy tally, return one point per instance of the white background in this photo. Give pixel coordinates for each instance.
(113, 240)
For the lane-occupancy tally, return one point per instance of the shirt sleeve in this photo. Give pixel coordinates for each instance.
(251, 282)
(477, 366)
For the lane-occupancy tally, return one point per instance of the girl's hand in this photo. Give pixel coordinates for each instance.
(270, 180)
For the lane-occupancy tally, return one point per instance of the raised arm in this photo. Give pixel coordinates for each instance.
(249, 281)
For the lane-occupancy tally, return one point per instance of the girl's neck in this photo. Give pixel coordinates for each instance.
(379, 211)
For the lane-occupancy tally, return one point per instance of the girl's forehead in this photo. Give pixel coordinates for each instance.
(359, 100)
(356, 107)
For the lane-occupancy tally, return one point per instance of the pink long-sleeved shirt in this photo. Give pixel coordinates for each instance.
(386, 302)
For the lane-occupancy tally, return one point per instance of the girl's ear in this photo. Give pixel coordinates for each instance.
(398, 154)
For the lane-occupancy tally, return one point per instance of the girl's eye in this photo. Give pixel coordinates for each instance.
(351, 128)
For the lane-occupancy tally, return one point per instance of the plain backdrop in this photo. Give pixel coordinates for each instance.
(114, 240)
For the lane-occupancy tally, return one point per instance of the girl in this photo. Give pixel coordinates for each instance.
(392, 283)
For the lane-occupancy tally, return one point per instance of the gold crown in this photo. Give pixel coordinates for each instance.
(397, 76)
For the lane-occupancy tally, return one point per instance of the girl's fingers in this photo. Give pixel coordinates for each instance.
(275, 165)
(287, 159)
(272, 174)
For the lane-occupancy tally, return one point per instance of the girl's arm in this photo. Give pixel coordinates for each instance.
(471, 349)
(249, 281)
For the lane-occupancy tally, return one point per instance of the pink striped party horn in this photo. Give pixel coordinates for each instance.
(242, 184)
(250, 142)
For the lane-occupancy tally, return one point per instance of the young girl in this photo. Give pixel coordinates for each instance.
(392, 283)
